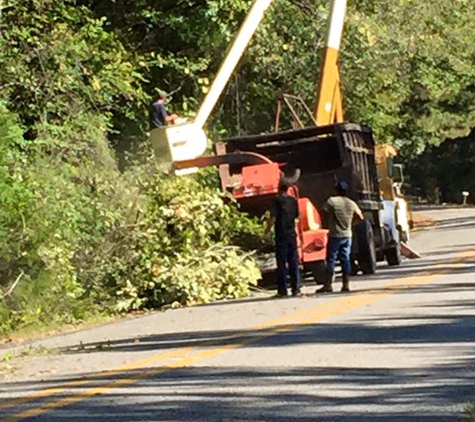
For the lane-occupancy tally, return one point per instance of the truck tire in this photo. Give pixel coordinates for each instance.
(268, 280)
(318, 271)
(393, 255)
(366, 248)
(354, 267)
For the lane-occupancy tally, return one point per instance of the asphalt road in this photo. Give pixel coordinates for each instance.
(401, 347)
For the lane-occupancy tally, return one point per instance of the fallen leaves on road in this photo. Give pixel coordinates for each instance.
(422, 221)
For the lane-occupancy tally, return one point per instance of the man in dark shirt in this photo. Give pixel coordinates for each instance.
(159, 116)
(284, 212)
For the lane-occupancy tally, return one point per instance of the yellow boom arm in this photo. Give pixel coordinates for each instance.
(329, 108)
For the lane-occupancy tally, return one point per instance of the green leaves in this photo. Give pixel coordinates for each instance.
(418, 50)
(200, 276)
(87, 237)
(59, 61)
(185, 257)
(91, 240)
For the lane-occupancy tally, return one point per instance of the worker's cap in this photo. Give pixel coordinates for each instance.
(341, 186)
(162, 94)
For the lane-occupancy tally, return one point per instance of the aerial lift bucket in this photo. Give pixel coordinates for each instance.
(188, 141)
(179, 142)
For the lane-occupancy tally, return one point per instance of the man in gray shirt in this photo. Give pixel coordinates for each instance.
(340, 212)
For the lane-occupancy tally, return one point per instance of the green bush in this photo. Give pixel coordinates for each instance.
(179, 253)
(81, 238)
(78, 237)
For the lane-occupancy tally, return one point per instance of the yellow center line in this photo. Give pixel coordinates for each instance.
(113, 372)
(175, 353)
(261, 332)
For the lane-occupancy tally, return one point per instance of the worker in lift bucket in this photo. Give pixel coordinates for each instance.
(159, 116)
(340, 212)
(284, 212)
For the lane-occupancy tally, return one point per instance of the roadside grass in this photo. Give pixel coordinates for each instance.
(7, 369)
(468, 415)
(34, 351)
(23, 352)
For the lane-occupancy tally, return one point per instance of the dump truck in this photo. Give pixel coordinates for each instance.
(324, 155)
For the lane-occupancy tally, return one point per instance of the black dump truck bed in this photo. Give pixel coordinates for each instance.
(324, 155)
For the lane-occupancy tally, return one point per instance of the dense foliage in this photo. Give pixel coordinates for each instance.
(77, 236)
(441, 173)
(85, 238)
(81, 234)
(407, 67)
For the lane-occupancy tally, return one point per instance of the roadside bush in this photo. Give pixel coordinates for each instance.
(79, 238)
(51, 210)
(200, 276)
(180, 252)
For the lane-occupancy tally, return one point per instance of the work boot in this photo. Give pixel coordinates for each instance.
(327, 286)
(346, 283)
(297, 293)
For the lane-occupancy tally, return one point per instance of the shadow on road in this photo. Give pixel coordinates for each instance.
(256, 394)
(437, 389)
(437, 328)
(347, 393)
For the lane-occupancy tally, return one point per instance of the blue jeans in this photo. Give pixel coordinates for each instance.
(339, 247)
(287, 256)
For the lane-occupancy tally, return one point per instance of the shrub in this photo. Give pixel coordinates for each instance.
(180, 252)
(86, 239)
(77, 236)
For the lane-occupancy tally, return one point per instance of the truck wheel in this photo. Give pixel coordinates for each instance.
(268, 280)
(393, 255)
(318, 271)
(354, 267)
(366, 248)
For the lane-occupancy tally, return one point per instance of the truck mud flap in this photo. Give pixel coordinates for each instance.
(409, 252)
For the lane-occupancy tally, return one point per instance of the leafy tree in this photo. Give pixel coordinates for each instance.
(59, 64)
(447, 168)
(417, 69)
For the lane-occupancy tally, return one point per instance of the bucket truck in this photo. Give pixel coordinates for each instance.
(259, 177)
(250, 167)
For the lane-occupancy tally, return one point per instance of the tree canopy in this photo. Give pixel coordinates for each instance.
(407, 67)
